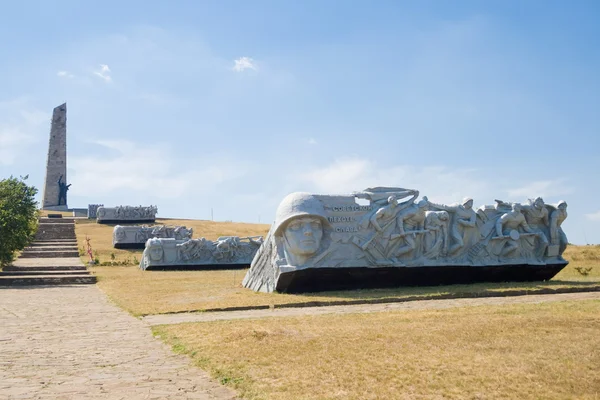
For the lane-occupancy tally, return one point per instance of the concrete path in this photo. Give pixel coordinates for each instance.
(164, 319)
(70, 342)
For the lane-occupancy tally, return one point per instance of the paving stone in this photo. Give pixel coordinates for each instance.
(70, 342)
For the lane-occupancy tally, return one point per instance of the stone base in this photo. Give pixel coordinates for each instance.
(197, 267)
(321, 279)
(125, 221)
(79, 212)
(129, 245)
(56, 208)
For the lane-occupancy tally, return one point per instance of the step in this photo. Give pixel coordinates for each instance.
(12, 268)
(44, 272)
(41, 245)
(63, 220)
(57, 227)
(23, 280)
(49, 254)
(66, 233)
(46, 237)
(54, 242)
(59, 247)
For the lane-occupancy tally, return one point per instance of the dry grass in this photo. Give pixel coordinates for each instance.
(543, 351)
(101, 236)
(157, 292)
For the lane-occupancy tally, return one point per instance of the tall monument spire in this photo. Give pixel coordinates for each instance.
(55, 187)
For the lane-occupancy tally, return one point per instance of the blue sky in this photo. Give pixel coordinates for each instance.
(230, 105)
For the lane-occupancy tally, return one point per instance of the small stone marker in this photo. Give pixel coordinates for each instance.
(93, 210)
(135, 237)
(323, 242)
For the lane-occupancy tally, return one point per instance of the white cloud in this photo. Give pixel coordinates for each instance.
(13, 140)
(547, 188)
(312, 141)
(441, 184)
(150, 170)
(20, 128)
(104, 73)
(593, 216)
(65, 74)
(244, 63)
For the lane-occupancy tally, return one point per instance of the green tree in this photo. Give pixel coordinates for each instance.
(18, 216)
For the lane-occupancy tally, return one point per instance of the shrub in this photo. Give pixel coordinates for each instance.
(18, 217)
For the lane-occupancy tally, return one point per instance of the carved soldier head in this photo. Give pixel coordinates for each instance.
(538, 203)
(300, 223)
(516, 207)
(467, 203)
(154, 249)
(562, 205)
(393, 200)
(119, 233)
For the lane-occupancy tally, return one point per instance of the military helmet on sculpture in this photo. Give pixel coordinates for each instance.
(295, 205)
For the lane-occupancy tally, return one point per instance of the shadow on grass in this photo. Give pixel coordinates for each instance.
(458, 288)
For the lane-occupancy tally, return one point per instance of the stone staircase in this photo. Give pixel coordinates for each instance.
(52, 258)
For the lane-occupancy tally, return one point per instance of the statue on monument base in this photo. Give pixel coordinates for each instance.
(62, 191)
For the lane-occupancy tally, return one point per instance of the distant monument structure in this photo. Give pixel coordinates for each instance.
(55, 186)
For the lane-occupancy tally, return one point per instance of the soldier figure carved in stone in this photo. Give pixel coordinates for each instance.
(463, 228)
(557, 235)
(509, 222)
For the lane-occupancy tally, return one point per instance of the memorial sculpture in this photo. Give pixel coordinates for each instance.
(55, 195)
(120, 214)
(324, 242)
(135, 236)
(227, 251)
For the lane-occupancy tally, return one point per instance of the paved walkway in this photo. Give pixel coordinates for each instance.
(69, 342)
(363, 308)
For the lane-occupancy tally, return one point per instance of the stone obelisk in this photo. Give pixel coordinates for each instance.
(56, 165)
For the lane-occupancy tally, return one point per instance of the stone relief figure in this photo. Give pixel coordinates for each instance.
(507, 227)
(62, 191)
(195, 249)
(463, 229)
(410, 224)
(557, 235)
(436, 235)
(182, 233)
(118, 234)
(143, 234)
(380, 245)
(537, 217)
(155, 250)
(227, 248)
(301, 231)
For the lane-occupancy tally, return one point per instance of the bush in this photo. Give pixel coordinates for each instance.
(18, 217)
